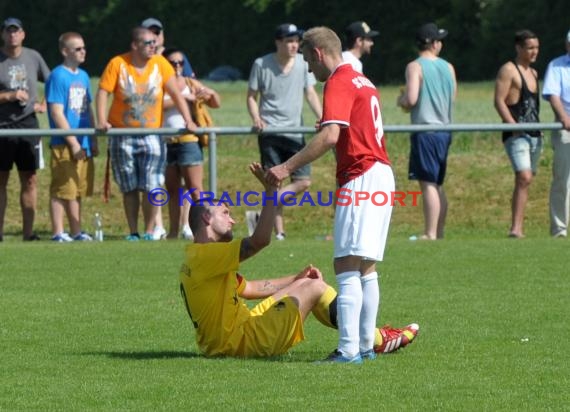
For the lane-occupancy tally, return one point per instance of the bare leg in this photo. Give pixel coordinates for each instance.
(172, 182)
(131, 205)
(193, 177)
(28, 201)
(434, 209)
(296, 186)
(57, 210)
(305, 292)
(74, 216)
(442, 212)
(520, 197)
(149, 214)
(4, 176)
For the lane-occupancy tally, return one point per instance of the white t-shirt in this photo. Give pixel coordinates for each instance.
(348, 57)
(172, 117)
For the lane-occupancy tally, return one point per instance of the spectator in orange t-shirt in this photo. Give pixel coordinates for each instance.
(137, 79)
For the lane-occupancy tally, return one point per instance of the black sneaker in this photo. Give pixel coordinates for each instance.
(31, 238)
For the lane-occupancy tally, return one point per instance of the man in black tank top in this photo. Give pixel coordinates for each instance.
(517, 101)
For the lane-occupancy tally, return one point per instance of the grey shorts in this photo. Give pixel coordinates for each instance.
(524, 152)
(276, 149)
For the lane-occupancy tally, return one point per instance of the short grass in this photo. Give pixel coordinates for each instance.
(102, 327)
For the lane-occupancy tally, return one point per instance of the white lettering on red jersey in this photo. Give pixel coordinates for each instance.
(352, 101)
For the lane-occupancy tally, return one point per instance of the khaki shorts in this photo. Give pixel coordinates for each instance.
(273, 328)
(70, 179)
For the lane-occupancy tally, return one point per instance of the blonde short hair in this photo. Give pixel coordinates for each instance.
(324, 39)
(66, 37)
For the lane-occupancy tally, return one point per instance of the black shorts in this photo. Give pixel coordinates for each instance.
(277, 149)
(23, 151)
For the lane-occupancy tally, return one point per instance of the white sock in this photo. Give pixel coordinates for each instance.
(349, 304)
(369, 312)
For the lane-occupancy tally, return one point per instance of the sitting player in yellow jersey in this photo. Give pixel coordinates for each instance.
(214, 291)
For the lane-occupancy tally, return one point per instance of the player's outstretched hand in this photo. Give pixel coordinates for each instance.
(276, 174)
(257, 170)
(310, 272)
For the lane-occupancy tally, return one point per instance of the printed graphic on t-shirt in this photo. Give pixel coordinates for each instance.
(139, 98)
(78, 98)
(18, 79)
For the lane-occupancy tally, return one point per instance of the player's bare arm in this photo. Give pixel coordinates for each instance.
(409, 97)
(503, 86)
(261, 237)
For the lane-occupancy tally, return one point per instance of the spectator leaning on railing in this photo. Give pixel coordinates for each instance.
(20, 70)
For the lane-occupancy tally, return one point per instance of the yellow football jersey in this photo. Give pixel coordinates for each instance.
(210, 286)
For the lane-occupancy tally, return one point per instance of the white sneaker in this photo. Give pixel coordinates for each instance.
(187, 233)
(251, 218)
(62, 237)
(158, 233)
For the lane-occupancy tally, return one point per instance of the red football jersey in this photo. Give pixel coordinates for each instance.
(352, 101)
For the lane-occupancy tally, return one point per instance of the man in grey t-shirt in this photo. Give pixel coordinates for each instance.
(20, 70)
(280, 80)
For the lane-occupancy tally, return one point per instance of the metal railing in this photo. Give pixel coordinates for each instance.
(213, 132)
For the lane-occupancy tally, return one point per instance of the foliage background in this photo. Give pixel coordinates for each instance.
(234, 32)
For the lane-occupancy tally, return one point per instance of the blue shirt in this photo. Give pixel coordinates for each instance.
(557, 81)
(73, 92)
(187, 70)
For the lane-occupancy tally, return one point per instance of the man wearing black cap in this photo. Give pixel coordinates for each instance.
(429, 94)
(20, 70)
(359, 43)
(280, 79)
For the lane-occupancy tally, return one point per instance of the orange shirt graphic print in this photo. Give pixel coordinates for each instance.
(140, 108)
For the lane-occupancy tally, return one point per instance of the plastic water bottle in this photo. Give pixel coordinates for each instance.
(98, 227)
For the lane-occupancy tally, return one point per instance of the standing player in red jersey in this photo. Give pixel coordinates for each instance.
(352, 123)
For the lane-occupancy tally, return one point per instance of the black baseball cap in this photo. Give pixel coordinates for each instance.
(430, 32)
(287, 30)
(359, 29)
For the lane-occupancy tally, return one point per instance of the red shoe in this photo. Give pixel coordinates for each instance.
(390, 339)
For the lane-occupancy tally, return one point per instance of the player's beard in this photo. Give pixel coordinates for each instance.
(227, 237)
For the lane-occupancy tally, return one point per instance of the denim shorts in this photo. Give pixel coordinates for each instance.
(524, 152)
(184, 154)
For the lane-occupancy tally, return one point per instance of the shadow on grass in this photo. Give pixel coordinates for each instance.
(146, 355)
(149, 355)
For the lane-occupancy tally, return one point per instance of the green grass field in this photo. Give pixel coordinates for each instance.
(101, 326)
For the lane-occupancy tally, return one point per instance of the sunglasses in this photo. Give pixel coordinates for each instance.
(156, 31)
(176, 62)
(148, 42)
(78, 49)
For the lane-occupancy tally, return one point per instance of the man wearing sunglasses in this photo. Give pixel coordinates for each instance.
(137, 80)
(155, 26)
(68, 94)
(20, 70)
